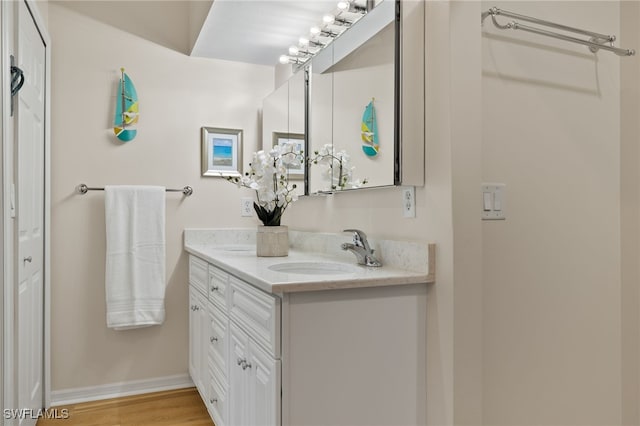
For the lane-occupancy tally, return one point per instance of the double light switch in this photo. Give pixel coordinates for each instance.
(493, 201)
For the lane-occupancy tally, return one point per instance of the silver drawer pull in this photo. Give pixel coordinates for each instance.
(241, 361)
(214, 288)
(27, 259)
(213, 400)
(246, 365)
(213, 339)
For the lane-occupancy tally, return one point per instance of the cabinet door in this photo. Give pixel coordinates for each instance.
(264, 387)
(197, 337)
(218, 402)
(219, 342)
(238, 377)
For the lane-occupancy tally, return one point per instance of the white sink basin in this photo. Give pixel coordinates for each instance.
(313, 268)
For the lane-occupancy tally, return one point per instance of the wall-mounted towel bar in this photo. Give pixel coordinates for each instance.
(595, 42)
(83, 189)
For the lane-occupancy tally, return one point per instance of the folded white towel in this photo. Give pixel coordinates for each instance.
(135, 265)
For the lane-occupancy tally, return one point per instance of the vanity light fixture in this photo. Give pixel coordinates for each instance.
(333, 25)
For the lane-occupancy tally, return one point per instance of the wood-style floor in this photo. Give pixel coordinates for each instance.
(170, 408)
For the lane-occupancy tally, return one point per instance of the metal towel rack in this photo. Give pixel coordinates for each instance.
(83, 189)
(595, 42)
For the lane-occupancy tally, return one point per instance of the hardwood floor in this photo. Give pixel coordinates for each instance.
(170, 408)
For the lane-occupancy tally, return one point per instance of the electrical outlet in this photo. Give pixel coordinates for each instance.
(409, 201)
(246, 207)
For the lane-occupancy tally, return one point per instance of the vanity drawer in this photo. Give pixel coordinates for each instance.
(218, 400)
(218, 287)
(219, 343)
(198, 269)
(258, 313)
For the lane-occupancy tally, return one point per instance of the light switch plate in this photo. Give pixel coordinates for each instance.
(493, 201)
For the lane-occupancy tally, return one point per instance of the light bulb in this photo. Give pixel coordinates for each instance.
(284, 59)
(328, 19)
(343, 5)
(303, 42)
(293, 51)
(314, 31)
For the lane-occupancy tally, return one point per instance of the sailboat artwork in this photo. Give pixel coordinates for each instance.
(370, 144)
(126, 115)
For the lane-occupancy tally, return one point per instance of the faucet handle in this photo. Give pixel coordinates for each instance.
(359, 238)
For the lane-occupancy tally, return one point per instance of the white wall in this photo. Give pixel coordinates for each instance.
(178, 95)
(551, 271)
(630, 214)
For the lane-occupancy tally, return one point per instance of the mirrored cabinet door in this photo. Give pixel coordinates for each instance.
(364, 105)
(320, 121)
(358, 104)
(283, 120)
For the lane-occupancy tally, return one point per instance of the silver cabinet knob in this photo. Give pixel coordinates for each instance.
(213, 400)
(213, 339)
(27, 259)
(242, 362)
(214, 288)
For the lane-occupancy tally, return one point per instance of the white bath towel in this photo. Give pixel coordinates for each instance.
(135, 265)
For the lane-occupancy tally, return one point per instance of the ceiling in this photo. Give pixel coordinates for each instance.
(257, 31)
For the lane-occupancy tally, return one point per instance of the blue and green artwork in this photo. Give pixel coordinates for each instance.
(369, 126)
(222, 152)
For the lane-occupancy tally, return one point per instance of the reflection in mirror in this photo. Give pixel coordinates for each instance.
(283, 121)
(352, 106)
(320, 117)
(275, 114)
(363, 107)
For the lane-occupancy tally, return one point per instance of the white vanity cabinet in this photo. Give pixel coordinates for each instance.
(332, 351)
(234, 347)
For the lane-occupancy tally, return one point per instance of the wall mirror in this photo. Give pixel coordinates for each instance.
(366, 103)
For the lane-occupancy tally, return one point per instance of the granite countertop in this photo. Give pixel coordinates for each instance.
(234, 252)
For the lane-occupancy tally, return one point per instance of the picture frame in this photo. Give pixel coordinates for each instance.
(221, 152)
(279, 138)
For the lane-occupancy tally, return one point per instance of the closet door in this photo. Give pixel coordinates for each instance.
(30, 145)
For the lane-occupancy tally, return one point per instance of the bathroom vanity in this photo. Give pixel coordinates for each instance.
(312, 338)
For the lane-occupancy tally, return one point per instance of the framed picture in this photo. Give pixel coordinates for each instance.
(295, 171)
(221, 152)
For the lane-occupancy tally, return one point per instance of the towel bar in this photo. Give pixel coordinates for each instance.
(83, 189)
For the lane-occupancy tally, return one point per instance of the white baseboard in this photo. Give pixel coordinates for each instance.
(116, 390)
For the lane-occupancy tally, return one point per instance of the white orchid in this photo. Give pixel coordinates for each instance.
(269, 177)
(337, 168)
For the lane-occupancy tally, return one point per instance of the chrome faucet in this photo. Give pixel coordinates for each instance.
(360, 247)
